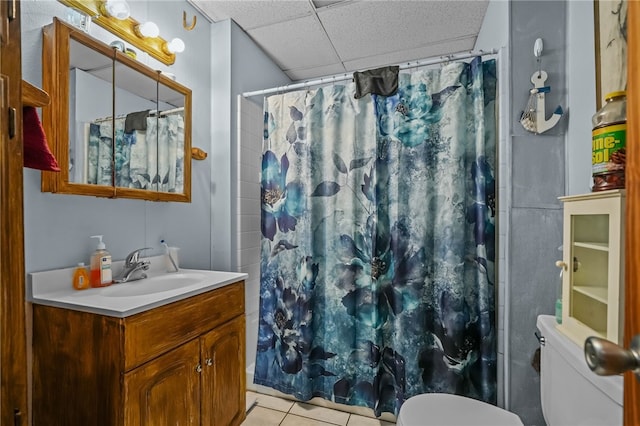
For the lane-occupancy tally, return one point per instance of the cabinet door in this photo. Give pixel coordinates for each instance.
(223, 378)
(165, 391)
(594, 260)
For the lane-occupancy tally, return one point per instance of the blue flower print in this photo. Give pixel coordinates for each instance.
(382, 273)
(282, 202)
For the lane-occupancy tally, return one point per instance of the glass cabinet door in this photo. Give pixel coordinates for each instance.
(593, 280)
(590, 270)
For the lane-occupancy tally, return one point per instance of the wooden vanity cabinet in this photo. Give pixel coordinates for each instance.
(178, 364)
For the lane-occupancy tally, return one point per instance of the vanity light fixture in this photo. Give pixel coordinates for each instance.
(176, 45)
(118, 9)
(148, 29)
(144, 36)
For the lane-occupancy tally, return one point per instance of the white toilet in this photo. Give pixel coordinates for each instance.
(570, 393)
(452, 410)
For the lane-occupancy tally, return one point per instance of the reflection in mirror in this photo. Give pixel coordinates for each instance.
(136, 99)
(169, 125)
(129, 126)
(90, 137)
(148, 128)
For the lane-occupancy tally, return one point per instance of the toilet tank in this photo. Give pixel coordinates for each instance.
(570, 393)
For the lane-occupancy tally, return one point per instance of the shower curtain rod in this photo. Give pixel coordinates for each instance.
(346, 76)
(167, 112)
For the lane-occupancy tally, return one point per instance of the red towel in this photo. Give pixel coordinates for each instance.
(37, 154)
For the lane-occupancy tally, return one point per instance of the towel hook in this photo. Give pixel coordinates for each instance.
(190, 26)
(537, 51)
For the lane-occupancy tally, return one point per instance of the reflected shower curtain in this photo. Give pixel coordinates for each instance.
(151, 159)
(378, 243)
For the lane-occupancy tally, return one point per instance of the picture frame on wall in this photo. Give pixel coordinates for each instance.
(610, 47)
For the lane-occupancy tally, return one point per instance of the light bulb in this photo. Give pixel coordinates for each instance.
(148, 29)
(175, 46)
(118, 9)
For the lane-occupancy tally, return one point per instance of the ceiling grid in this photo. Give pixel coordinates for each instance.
(312, 38)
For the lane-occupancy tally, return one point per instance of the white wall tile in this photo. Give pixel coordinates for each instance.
(249, 240)
(250, 157)
(251, 328)
(252, 303)
(252, 270)
(249, 223)
(250, 206)
(248, 236)
(249, 190)
(500, 380)
(251, 141)
(249, 174)
(248, 256)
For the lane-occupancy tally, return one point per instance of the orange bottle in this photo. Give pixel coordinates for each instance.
(80, 277)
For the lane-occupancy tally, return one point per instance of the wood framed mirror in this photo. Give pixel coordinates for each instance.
(118, 128)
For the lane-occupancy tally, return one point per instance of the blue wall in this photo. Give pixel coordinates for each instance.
(221, 62)
(542, 168)
(57, 227)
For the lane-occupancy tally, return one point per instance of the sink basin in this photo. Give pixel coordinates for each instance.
(52, 288)
(152, 285)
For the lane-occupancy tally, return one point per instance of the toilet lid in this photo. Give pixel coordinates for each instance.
(452, 410)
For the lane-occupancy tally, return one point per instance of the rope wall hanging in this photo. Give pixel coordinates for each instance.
(533, 118)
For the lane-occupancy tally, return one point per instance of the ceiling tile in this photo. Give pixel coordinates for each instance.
(250, 14)
(364, 29)
(300, 75)
(299, 43)
(411, 55)
(325, 3)
(309, 39)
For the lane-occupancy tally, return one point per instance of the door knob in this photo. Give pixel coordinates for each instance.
(605, 358)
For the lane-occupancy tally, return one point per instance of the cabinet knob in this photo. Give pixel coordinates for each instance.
(561, 264)
(198, 368)
(208, 362)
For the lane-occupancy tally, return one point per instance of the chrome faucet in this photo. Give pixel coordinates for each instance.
(133, 267)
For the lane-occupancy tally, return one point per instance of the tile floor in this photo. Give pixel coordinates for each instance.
(274, 411)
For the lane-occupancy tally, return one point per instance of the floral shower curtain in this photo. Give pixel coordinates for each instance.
(378, 248)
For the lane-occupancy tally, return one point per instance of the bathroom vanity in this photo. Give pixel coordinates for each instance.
(178, 359)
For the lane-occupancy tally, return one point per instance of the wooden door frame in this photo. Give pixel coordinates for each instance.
(13, 358)
(632, 245)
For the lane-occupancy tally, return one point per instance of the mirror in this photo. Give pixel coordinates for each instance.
(123, 129)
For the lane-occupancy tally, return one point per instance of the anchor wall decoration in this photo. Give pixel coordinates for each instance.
(533, 118)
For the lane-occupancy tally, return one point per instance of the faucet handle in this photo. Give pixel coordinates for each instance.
(134, 255)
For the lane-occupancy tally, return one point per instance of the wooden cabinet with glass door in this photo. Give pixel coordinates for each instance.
(593, 263)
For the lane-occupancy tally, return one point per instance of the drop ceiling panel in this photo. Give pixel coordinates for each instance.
(411, 55)
(309, 39)
(252, 14)
(364, 29)
(325, 3)
(298, 43)
(314, 73)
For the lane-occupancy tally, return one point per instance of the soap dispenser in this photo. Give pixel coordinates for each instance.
(100, 270)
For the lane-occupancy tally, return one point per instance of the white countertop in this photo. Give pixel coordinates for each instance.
(54, 288)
